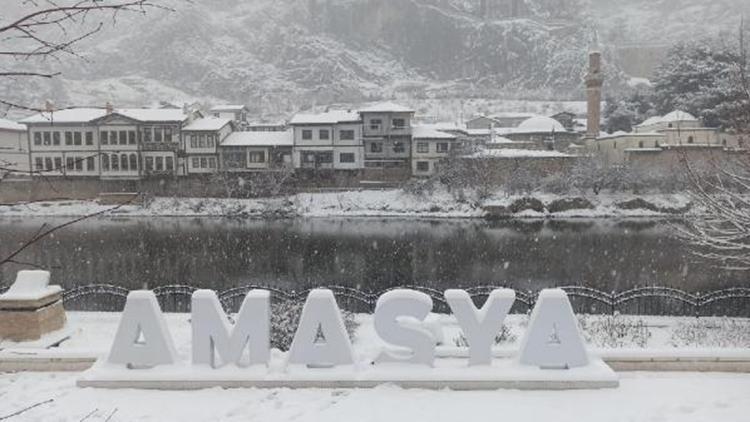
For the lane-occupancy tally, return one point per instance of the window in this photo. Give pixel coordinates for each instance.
(105, 162)
(58, 164)
(159, 163)
(346, 157)
(90, 163)
(210, 141)
(69, 163)
(399, 123)
(104, 137)
(202, 141)
(640, 144)
(724, 142)
(442, 147)
(115, 161)
(79, 164)
(37, 138)
(193, 141)
(168, 134)
(234, 157)
(48, 164)
(149, 163)
(89, 138)
(39, 164)
(158, 136)
(346, 135)
(68, 138)
(325, 157)
(212, 162)
(204, 162)
(131, 138)
(47, 139)
(256, 157)
(124, 162)
(55, 138)
(306, 134)
(77, 138)
(324, 134)
(375, 124)
(690, 139)
(423, 147)
(113, 137)
(133, 162)
(423, 166)
(376, 147)
(170, 163)
(614, 145)
(123, 137)
(147, 134)
(398, 147)
(196, 162)
(656, 144)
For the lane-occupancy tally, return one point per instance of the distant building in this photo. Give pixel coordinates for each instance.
(237, 113)
(14, 147)
(387, 135)
(500, 120)
(430, 147)
(266, 127)
(545, 133)
(328, 141)
(201, 140)
(107, 143)
(257, 151)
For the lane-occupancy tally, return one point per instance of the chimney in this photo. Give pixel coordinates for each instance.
(49, 106)
(109, 108)
(594, 82)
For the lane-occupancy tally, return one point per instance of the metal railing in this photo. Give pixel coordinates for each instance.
(734, 302)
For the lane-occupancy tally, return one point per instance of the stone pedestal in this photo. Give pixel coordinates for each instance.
(31, 308)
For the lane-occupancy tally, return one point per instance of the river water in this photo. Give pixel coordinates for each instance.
(369, 254)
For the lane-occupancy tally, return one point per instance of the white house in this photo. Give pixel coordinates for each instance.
(14, 148)
(201, 140)
(235, 112)
(387, 135)
(257, 151)
(430, 147)
(330, 140)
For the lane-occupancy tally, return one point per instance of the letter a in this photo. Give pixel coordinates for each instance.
(321, 314)
(553, 340)
(142, 319)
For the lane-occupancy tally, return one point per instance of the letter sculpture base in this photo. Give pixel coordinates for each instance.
(31, 309)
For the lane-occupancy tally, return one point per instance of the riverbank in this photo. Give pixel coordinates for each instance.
(386, 203)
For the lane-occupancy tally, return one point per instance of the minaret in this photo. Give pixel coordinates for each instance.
(594, 82)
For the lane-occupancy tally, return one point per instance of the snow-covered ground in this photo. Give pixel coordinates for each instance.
(357, 203)
(640, 397)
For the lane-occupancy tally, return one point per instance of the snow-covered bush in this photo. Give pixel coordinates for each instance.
(614, 331)
(285, 316)
(504, 336)
(726, 332)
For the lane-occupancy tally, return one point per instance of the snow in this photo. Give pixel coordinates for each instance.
(249, 139)
(85, 115)
(386, 107)
(422, 132)
(207, 124)
(326, 118)
(10, 125)
(228, 107)
(30, 286)
(518, 153)
(540, 124)
(154, 114)
(678, 116)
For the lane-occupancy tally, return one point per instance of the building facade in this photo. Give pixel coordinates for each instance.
(201, 140)
(387, 136)
(257, 151)
(14, 148)
(328, 141)
(429, 148)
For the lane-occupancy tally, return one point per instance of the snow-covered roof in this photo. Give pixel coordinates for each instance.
(423, 132)
(621, 134)
(678, 116)
(208, 124)
(499, 140)
(85, 115)
(326, 118)
(517, 153)
(540, 124)
(10, 125)
(643, 150)
(386, 107)
(228, 107)
(249, 139)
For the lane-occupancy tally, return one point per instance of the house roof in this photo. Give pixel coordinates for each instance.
(517, 153)
(621, 134)
(86, 115)
(675, 116)
(326, 118)
(228, 107)
(10, 125)
(422, 132)
(386, 107)
(211, 124)
(540, 124)
(249, 139)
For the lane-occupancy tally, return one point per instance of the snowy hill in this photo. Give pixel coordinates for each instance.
(283, 55)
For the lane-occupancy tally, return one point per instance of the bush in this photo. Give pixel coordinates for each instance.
(614, 331)
(527, 203)
(567, 204)
(504, 336)
(285, 316)
(726, 332)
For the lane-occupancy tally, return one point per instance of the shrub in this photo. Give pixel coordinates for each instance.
(726, 332)
(285, 316)
(614, 331)
(504, 336)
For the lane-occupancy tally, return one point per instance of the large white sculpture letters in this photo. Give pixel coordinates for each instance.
(142, 339)
(321, 315)
(398, 321)
(480, 326)
(553, 340)
(214, 335)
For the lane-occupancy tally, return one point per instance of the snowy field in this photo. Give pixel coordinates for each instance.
(365, 203)
(641, 396)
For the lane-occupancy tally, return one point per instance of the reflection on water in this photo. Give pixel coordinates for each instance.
(370, 254)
